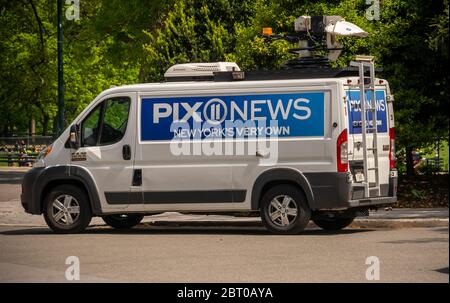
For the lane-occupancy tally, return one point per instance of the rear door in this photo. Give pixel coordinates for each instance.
(355, 136)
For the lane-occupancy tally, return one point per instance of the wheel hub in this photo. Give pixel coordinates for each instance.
(283, 210)
(65, 210)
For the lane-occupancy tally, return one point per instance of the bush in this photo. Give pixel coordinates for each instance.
(429, 169)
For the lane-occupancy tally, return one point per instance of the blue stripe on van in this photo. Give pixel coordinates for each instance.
(296, 115)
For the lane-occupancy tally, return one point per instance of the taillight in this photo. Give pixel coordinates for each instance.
(342, 152)
(392, 148)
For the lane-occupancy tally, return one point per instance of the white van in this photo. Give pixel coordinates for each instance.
(135, 150)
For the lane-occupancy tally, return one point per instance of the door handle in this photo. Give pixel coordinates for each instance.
(261, 155)
(126, 152)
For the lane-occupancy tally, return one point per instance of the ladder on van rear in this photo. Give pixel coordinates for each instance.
(367, 83)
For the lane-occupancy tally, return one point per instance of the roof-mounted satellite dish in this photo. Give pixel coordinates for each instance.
(318, 33)
(345, 29)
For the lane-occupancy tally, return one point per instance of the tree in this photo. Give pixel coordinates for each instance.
(193, 31)
(94, 58)
(25, 64)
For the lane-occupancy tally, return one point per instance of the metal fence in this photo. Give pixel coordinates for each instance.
(26, 140)
(437, 163)
(22, 150)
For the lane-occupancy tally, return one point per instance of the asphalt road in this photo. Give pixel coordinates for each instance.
(10, 177)
(224, 255)
(10, 185)
(207, 254)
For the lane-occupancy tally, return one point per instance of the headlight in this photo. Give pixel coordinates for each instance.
(44, 153)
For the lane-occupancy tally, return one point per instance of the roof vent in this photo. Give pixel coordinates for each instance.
(198, 71)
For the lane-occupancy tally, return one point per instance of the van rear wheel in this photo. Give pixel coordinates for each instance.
(67, 209)
(334, 224)
(284, 210)
(123, 221)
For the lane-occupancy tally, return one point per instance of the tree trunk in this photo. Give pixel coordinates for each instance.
(33, 128)
(409, 162)
(5, 130)
(45, 125)
(142, 74)
(55, 126)
(9, 127)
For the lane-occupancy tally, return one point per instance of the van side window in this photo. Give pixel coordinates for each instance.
(115, 120)
(90, 127)
(107, 123)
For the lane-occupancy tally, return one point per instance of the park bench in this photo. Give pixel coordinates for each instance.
(12, 158)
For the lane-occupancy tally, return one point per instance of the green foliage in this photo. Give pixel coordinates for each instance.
(187, 34)
(116, 113)
(429, 169)
(417, 194)
(96, 56)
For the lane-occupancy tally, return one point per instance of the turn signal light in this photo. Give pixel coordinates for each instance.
(267, 31)
(342, 152)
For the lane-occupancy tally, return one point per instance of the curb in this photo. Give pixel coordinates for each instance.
(14, 169)
(358, 223)
(400, 223)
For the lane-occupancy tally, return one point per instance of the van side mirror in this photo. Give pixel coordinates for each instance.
(73, 137)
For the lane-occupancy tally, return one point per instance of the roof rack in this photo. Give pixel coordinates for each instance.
(282, 74)
(289, 74)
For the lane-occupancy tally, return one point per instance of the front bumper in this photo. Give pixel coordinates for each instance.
(29, 200)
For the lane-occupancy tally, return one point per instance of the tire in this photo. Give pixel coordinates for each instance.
(73, 212)
(284, 220)
(123, 221)
(334, 224)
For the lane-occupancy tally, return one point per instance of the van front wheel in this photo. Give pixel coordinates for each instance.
(284, 210)
(67, 209)
(124, 221)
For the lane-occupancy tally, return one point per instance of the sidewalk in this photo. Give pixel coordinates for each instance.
(404, 217)
(15, 168)
(410, 213)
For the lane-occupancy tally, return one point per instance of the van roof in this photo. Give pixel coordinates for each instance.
(202, 85)
(251, 79)
(261, 75)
